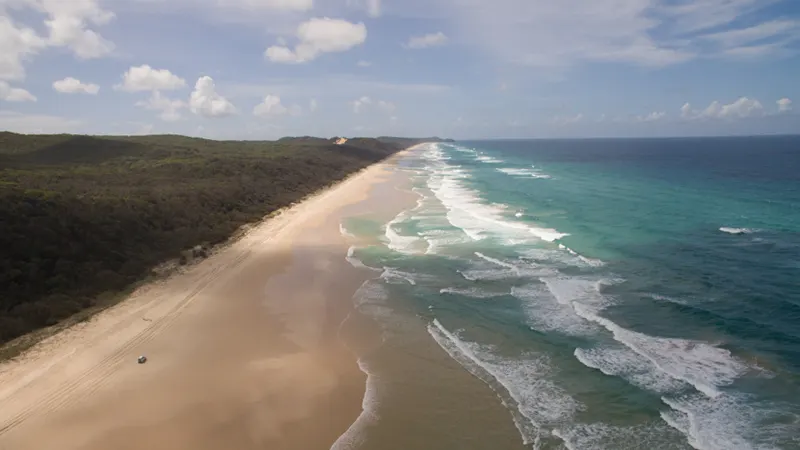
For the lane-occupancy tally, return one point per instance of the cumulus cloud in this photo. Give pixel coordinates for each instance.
(11, 94)
(145, 78)
(170, 109)
(17, 44)
(271, 106)
(312, 106)
(71, 85)
(318, 36)
(206, 102)
(742, 108)
(784, 105)
(428, 40)
(282, 5)
(360, 104)
(67, 25)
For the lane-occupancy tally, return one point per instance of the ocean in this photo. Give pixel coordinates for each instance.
(585, 294)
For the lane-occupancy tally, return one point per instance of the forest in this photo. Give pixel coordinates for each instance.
(85, 218)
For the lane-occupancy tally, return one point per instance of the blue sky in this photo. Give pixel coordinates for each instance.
(262, 69)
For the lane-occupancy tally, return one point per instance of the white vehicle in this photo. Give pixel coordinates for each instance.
(142, 359)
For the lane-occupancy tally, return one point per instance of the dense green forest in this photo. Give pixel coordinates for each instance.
(82, 218)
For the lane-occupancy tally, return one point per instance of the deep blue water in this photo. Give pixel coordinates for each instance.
(640, 293)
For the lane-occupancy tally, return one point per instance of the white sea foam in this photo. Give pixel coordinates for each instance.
(498, 262)
(343, 231)
(371, 299)
(536, 403)
(389, 275)
(568, 290)
(704, 366)
(731, 230)
(354, 436)
(355, 262)
(554, 257)
(398, 242)
(729, 421)
(467, 211)
(624, 363)
(470, 292)
(488, 159)
(597, 436)
(505, 274)
(664, 298)
(589, 261)
(525, 173)
(546, 314)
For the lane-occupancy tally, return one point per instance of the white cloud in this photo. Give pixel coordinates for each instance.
(360, 104)
(557, 34)
(206, 102)
(699, 15)
(68, 23)
(36, 123)
(741, 108)
(10, 94)
(742, 36)
(170, 109)
(16, 45)
(652, 117)
(560, 34)
(363, 63)
(428, 40)
(760, 40)
(686, 111)
(784, 105)
(145, 78)
(71, 85)
(280, 5)
(271, 106)
(312, 106)
(318, 36)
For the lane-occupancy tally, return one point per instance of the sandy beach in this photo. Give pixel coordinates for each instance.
(242, 348)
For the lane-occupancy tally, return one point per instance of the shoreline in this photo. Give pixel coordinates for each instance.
(178, 320)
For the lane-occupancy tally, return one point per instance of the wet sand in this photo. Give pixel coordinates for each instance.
(243, 348)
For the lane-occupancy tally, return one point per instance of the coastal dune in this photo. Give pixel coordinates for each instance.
(242, 349)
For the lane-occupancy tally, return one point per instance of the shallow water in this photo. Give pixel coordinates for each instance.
(587, 295)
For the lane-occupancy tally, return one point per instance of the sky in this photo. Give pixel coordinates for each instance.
(467, 69)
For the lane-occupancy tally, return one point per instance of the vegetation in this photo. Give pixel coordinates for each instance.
(83, 218)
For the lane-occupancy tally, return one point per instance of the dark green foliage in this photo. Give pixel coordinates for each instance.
(82, 216)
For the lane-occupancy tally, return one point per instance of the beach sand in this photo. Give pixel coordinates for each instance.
(243, 347)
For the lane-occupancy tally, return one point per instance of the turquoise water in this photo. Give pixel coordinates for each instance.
(611, 294)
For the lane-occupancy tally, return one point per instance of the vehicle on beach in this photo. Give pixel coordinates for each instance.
(142, 359)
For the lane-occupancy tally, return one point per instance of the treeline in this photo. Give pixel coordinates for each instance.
(83, 217)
